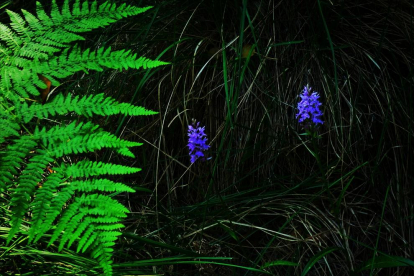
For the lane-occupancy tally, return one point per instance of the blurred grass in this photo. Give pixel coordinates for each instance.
(261, 201)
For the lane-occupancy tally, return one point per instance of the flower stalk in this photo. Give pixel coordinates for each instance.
(309, 116)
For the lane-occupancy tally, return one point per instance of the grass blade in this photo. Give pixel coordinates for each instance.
(316, 258)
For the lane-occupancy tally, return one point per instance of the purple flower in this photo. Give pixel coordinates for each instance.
(196, 141)
(309, 108)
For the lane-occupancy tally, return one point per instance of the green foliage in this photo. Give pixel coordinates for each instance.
(67, 198)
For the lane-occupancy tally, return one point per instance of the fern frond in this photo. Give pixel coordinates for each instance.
(89, 222)
(101, 244)
(84, 206)
(103, 185)
(42, 203)
(52, 212)
(13, 41)
(5, 54)
(82, 214)
(12, 158)
(86, 106)
(88, 168)
(18, 24)
(28, 180)
(33, 41)
(124, 152)
(49, 212)
(59, 134)
(90, 143)
(68, 196)
(8, 129)
(70, 62)
(8, 125)
(20, 79)
(61, 27)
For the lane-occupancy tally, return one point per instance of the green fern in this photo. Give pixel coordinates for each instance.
(71, 201)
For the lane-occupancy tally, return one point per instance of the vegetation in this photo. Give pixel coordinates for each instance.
(69, 194)
(274, 198)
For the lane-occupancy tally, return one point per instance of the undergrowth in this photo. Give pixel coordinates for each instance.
(263, 204)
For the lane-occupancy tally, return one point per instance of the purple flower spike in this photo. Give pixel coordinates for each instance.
(196, 141)
(309, 108)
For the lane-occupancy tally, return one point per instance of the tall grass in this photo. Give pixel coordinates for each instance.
(263, 204)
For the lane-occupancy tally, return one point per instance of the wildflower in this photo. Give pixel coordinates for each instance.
(309, 108)
(196, 141)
